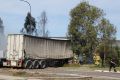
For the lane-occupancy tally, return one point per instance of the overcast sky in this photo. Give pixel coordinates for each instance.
(13, 13)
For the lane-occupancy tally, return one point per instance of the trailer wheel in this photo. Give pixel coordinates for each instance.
(52, 64)
(28, 64)
(43, 64)
(35, 64)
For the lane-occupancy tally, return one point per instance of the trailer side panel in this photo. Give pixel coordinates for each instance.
(47, 48)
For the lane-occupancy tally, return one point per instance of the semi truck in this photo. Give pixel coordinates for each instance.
(26, 51)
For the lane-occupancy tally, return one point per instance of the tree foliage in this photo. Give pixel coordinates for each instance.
(29, 25)
(106, 35)
(82, 27)
(106, 30)
(86, 29)
(42, 25)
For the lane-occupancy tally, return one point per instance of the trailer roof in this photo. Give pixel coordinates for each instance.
(51, 38)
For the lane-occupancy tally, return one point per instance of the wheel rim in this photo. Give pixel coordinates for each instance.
(42, 64)
(28, 64)
(35, 64)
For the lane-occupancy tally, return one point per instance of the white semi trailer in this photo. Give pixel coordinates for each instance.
(36, 52)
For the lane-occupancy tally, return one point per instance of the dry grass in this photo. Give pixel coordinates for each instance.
(72, 65)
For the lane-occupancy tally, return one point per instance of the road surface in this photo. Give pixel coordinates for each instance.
(61, 73)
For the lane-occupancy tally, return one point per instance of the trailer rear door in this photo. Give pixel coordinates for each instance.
(15, 47)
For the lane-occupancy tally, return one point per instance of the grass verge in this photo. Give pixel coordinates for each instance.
(72, 65)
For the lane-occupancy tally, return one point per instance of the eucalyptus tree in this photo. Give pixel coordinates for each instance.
(106, 33)
(82, 29)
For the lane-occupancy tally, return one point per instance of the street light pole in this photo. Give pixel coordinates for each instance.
(30, 17)
(28, 4)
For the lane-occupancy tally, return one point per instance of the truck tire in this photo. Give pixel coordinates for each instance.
(43, 64)
(35, 64)
(53, 64)
(28, 64)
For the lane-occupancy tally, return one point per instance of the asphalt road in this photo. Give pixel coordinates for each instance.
(60, 73)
